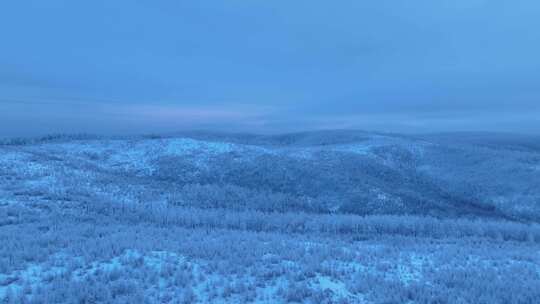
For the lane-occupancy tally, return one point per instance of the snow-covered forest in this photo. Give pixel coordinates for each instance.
(315, 217)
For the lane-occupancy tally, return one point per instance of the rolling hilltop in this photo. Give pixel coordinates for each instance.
(449, 175)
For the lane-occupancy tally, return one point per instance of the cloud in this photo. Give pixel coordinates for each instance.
(268, 66)
(231, 117)
(39, 116)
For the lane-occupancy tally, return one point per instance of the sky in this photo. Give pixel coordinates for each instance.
(159, 66)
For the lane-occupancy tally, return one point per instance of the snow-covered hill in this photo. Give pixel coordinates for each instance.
(364, 174)
(322, 217)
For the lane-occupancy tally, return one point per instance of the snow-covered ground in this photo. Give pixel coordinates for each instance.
(100, 221)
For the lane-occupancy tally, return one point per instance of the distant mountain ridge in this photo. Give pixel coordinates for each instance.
(343, 171)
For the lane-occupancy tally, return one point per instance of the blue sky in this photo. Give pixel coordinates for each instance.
(268, 66)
